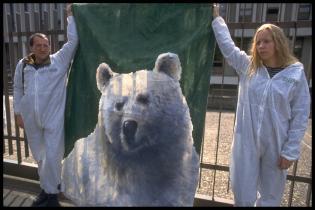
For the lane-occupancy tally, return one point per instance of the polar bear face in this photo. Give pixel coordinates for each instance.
(143, 110)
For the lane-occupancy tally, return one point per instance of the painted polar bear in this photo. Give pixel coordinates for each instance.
(141, 152)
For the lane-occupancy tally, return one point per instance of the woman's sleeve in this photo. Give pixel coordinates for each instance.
(300, 110)
(238, 59)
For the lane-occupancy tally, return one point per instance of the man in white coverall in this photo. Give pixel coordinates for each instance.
(39, 106)
(272, 113)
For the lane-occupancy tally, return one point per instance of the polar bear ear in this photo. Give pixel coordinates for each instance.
(169, 64)
(103, 75)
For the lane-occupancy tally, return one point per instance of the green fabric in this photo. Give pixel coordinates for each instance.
(129, 37)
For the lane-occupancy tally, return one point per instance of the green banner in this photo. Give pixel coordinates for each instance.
(129, 37)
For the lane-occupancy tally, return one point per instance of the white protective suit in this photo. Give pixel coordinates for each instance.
(271, 120)
(42, 109)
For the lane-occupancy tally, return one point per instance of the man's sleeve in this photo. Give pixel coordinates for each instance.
(17, 87)
(66, 53)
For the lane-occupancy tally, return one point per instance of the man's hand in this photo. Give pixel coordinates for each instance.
(19, 121)
(215, 10)
(69, 10)
(284, 163)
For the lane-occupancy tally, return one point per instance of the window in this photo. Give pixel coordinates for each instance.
(7, 60)
(44, 7)
(218, 57)
(60, 44)
(272, 13)
(304, 11)
(246, 44)
(246, 12)
(223, 10)
(26, 7)
(36, 7)
(298, 46)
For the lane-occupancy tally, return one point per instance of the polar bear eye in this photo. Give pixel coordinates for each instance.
(119, 105)
(143, 99)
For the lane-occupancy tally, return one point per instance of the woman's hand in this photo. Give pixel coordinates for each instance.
(284, 163)
(215, 10)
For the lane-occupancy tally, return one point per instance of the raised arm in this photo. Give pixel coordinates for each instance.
(66, 53)
(238, 59)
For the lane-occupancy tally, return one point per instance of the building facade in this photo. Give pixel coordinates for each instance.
(246, 17)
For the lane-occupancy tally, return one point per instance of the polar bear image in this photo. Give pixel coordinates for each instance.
(141, 152)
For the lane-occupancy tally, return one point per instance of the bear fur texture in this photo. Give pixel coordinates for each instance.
(141, 152)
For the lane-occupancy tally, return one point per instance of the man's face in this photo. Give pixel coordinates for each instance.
(40, 48)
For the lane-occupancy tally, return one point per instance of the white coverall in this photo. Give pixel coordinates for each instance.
(42, 109)
(271, 119)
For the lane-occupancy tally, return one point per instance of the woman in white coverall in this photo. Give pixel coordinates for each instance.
(39, 106)
(272, 113)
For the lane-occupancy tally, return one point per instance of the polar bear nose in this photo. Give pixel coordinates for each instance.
(130, 128)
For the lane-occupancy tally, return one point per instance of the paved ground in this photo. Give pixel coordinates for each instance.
(21, 192)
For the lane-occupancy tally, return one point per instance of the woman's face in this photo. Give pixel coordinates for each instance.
(265, 46)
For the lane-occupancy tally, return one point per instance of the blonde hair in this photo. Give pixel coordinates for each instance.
(284, 56)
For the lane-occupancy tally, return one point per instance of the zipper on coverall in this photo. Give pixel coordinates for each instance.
(36, 100)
